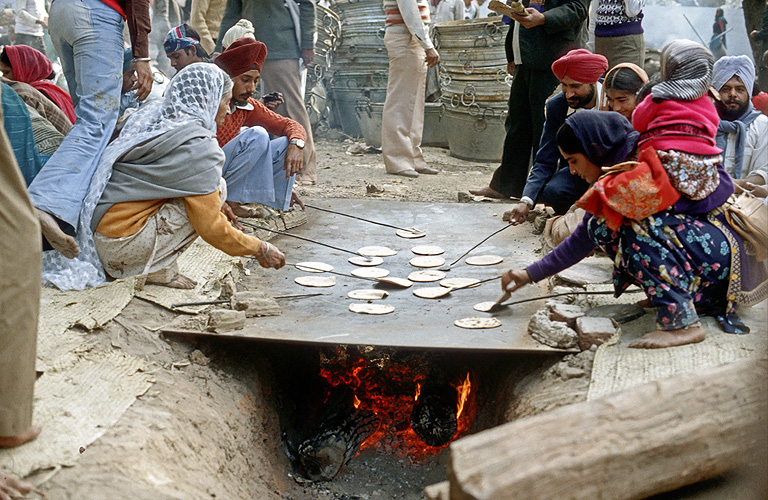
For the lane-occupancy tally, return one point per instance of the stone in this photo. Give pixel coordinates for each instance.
(539, 223)
(464, 197)
(255, 303)
(198, 358)
(621, 313)
(552, 333)
(224, 320)
(371, 188)
(567, 372)
(594, 331)
(198, 322)
(567, 313)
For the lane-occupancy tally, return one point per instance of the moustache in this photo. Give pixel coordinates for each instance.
(728, 102)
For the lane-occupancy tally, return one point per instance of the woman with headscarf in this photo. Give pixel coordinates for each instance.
(717, 43)
(681, 254)
(157, 188)
(25, 64)
(620, 88)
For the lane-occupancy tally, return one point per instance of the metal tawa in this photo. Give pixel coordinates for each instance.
(622, 313)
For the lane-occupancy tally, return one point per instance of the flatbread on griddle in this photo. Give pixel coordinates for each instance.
(484, 306)
(459, 282)
(357, 307)
(427, 250)
(377, 251)
(484, 260)
(427, 261)
(426, 276)
(401, 282)
(477, 323)
(434, 292)
(316, 281)
(370, 272)
(410, 234)
(366, 261)
(314, 267)
(368, 294)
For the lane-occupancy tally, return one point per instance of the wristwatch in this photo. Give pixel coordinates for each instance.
(298, 143)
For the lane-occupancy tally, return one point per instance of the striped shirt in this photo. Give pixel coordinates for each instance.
(395, 17)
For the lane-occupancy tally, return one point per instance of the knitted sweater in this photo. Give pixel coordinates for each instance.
(262, 116)
(618, 18)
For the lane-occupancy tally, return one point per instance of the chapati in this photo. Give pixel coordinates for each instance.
(314, 267)
(426, 276)
(376, 251)
(366, 261)
(370, 272)
(459, 282)
(359, 308)
(410, 234)
(484, 306)
(316, 281)
(427, 250)
(404, 283)
(427, 261)
(477, 323)
(484, 260)
(434, 292)
(367, 294)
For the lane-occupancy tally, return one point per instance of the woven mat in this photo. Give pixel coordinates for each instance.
(204, 264)
(76, 402)
(617, 367)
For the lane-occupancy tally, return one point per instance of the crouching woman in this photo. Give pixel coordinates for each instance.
(165, 185)
(678, 251)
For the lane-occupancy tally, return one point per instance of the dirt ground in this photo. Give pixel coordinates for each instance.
(209, 426)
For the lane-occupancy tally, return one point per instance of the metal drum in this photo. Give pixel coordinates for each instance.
(369, 116)
(474, 86)
(315, 93)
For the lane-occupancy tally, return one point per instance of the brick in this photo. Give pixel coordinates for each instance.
(224, 320)
(255, 304)
(594, 331)
(567, 313)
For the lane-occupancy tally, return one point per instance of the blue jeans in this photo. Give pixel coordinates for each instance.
(253, 169)
(88, 36)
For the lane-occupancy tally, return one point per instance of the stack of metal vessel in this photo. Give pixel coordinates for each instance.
(475, 86)
(360, 60)
(316, 90)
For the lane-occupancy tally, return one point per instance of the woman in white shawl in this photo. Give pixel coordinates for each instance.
(157, 188)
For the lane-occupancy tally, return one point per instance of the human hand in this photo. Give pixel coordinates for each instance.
(513, 279)
(144, 80)
(307, 55)
(511, 68)
(226, 209)
(295, 199)
(432, 57)
(752, 34)
(533, 19)
(760, 191)
(43, 23)
(273, 100)
(294, 160)
(13, 488)
(270, 256)
(519, 213)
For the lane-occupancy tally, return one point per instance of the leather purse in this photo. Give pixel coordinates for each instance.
(748, 216)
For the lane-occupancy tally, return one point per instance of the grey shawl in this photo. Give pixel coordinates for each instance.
(185, 161)
(686, 71)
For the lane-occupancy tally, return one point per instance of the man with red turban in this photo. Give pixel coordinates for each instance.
(256, 169)
(550, 180)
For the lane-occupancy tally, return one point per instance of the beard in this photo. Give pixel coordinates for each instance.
(579, 102)
(731, 109)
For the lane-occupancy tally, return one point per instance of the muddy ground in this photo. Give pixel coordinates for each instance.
(209, 427)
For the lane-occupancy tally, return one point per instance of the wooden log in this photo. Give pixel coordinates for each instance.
(654, 438)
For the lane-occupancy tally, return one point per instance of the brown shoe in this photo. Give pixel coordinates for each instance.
(488, 192)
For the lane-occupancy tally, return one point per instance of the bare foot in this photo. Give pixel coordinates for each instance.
(645, 303)
(241, 211)
(180, 281)
(13, 488)
(488, 192)
(669, 338)
(18, 440)
(58, 239)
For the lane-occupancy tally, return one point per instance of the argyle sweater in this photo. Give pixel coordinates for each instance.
(612, 20)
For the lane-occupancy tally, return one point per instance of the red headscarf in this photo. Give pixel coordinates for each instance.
(244, 54)
(32, 67)
(581, 65)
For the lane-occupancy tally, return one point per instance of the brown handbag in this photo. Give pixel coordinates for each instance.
(748, 216)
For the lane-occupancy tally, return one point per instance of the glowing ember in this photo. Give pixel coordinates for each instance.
(390, 389)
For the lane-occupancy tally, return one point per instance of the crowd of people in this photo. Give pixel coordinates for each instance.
(119, 185)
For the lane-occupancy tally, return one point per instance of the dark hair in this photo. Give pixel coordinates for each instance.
(625, 80)
(646, 89)
(199, 50)
(719, 13)
(568, 142)
(4, 59)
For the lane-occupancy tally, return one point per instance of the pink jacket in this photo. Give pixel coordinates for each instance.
(688, 126)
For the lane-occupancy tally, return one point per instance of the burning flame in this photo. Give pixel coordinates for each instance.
(418, 392)
(356, 402)
(463, 388)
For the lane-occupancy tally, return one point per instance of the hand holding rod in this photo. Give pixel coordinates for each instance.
(256, 226)
(409, 229)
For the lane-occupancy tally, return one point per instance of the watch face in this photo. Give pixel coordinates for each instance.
(298, 142)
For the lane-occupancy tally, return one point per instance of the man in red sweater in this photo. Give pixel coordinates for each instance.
(257, 169)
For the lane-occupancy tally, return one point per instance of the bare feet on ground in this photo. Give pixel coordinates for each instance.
(645, 303)
(18, 440)
(178, 281)
(488, 192)
(13, 488)
(58, 239)
(246, 213)
(669, 338)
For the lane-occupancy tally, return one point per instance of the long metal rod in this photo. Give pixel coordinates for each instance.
(301, 267)
(483, 241)
(410, 230)
(472, 285)
(553, 295)
(256, 226)
(694, 30)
